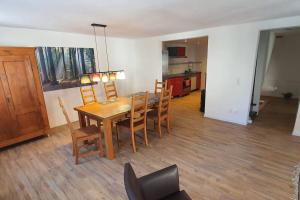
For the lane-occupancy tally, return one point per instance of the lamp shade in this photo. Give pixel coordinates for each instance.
(85, 79)
(96, 77)
(104, 78)
(120, 75)
(112, 76)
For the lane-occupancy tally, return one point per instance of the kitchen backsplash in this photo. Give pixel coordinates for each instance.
(180, 69)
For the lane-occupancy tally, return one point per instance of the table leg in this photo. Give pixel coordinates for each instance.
(108, 139)
(82, 121)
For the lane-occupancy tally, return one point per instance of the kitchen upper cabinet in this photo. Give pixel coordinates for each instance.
(23, 112)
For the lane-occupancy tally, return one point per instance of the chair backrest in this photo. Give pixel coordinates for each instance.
(160, 85)
(66, 115)
(110, 90)
(132, 187)
(88, 94)
(139, 106)
(164, 102)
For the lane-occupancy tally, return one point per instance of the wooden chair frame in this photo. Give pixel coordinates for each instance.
(88, 94)
(83, 137)
(163, 110)
(138, 118)
(159, 85)
(110, 90)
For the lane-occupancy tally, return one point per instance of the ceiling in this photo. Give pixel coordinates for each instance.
(139, 18)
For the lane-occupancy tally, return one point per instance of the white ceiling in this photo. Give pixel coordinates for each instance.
(139, 18)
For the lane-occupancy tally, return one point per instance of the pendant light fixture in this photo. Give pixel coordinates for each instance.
(85, 79)
(103, 76)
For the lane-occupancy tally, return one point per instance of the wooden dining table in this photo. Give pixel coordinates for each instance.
(107, 112)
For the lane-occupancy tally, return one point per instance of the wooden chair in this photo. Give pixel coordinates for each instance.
(88, 96)
(162, 112)
(110, 90)
(159, 86)
(83, 137)
(138, 118)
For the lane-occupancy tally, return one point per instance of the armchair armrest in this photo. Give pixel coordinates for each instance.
(160, 184)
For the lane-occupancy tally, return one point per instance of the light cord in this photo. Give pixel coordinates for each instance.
(96, 47)
(104, 30)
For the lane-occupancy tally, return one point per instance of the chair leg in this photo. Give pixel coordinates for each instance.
(101, 150)
(159, 127)
(168, 125)
(76, 152)
(99, 124)
(133, 142)
(117, 134)
(73, 147)
(145, 136)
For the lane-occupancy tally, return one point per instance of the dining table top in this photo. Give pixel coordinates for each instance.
(111, 109)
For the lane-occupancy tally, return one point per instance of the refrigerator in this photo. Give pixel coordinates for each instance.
(165, 62)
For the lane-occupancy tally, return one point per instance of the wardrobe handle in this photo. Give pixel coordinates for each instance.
(8, 99)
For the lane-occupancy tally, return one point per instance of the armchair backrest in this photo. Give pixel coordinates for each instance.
(299, 188)
(155, 186)
(160, 184)
(131, 184)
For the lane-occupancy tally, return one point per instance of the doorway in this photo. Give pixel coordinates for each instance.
(276, 89)
(184, 67)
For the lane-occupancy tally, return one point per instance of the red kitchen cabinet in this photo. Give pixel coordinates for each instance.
(177, 85)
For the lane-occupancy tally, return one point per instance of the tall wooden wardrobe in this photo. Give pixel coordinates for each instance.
(22, 107)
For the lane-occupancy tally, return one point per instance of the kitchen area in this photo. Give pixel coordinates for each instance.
(184, 66)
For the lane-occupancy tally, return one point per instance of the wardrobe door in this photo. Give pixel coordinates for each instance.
(22, 95)
(7, 122)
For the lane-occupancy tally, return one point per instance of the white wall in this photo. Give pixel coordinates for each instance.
(284, 68)
(121, 55)
(231, 60)
(230, 64)
(297, 124)
(148, 63)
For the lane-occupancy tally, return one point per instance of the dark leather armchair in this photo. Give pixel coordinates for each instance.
(163, 184)
(299, 188)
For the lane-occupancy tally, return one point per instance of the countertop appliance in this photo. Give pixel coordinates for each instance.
(186, 85)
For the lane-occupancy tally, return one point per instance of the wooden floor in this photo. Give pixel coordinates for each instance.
(216, 160)
(278, 114)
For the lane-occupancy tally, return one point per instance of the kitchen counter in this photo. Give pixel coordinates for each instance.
(168, 76)
(183, 83)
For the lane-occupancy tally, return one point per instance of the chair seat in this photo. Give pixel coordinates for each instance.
(152, 114)
(86, 131)
(182, 195)
(125, 122)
